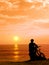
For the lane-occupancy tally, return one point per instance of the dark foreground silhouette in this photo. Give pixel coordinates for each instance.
(34, 52)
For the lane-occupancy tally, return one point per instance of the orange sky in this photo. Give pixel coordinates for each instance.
(26, 19)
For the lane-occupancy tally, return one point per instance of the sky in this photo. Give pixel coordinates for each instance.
(24, 19)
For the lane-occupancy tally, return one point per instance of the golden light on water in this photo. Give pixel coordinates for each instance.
(16, 47)
(16, 57)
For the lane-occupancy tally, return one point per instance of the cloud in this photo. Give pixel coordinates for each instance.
(16, 4)
(9, 5)
(23, 18)
(43, 3)
(6, 2)
(42, 20)
(29, 1)
(13, 17)
(11, 20)
(41, 23)
(19, 7)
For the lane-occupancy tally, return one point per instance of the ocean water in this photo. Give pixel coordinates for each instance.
(12, 53)
(18, 53)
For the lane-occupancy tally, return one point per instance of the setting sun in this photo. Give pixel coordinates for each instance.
(16, 38)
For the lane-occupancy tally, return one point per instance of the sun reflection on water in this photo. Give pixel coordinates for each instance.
(16, 57)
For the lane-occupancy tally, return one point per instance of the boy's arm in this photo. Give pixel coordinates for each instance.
(36, 45)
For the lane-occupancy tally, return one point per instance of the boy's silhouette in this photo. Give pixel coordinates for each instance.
(32, 50)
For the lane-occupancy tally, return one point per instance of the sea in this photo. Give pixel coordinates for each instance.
(20, 52)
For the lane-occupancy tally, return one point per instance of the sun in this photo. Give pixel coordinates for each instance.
(16, 38)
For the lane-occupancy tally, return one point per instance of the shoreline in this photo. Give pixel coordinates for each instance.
(39, 62)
